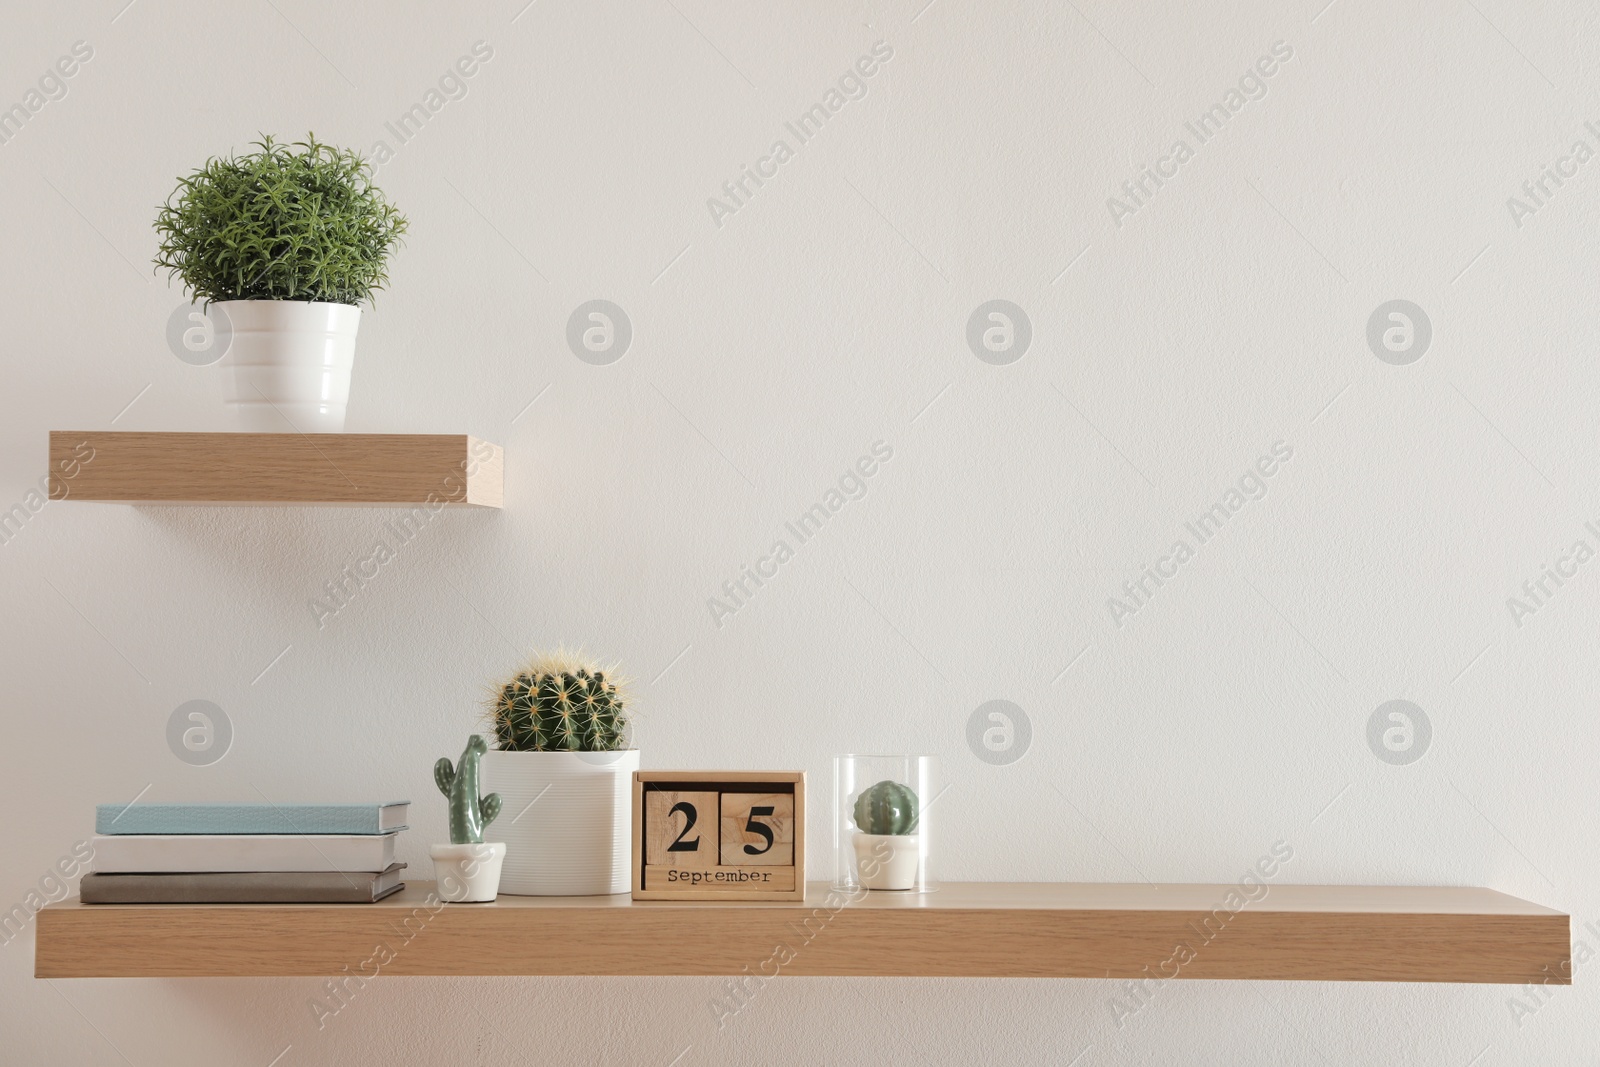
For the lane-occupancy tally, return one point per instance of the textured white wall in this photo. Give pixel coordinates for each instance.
(1174, 342)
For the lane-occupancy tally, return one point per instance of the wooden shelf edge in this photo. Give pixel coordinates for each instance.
(416, 471)
(971, 930)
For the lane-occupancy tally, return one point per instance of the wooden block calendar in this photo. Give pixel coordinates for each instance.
(719, 835)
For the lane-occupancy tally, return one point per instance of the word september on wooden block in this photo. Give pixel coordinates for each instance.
(719, 835)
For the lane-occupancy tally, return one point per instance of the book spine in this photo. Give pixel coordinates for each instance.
(120, 820)
(246, 889)
(179, 854)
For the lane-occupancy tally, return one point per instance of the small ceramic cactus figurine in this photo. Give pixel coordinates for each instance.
(887, 808)
(887, 848)
(469, 813)
(467, 869)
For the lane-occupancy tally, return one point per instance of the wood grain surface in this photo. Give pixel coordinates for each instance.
(1028, 930)
(368, 469)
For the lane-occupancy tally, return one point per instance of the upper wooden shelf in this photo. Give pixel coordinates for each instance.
(353, 469)
(980, 930)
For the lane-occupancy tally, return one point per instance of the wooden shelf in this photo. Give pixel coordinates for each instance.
(1021, 930)
(352, 469)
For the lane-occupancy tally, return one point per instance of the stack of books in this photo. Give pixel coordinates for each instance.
(244, 854)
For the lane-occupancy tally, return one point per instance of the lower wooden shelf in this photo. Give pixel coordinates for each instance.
(963, 930)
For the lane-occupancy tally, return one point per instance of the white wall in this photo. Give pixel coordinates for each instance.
(1169, 352)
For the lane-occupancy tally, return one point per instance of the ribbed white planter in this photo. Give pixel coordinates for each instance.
(566, 819)
(288, 364)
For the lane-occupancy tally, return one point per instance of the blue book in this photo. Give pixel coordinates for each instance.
(250, 818)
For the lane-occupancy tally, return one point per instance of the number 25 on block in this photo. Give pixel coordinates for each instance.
(719, 835)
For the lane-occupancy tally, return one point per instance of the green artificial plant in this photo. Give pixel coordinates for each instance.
(887, 808)
(298, 221)
(469, 812)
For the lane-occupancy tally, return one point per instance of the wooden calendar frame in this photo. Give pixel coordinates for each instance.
(792, 876)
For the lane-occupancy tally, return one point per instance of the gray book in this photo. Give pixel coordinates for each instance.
(242, 887)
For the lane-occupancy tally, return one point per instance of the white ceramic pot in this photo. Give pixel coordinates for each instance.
(287, 367)
(887, 861)
(467, 873)
(566, 820)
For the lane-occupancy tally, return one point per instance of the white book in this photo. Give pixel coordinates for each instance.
(196, 853)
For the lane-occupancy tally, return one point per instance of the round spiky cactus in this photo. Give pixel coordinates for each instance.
(559, 704)
(887, 808)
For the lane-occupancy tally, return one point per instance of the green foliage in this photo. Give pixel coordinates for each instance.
(559, 704)
(469, 812)
(289, 222)
(887, 808)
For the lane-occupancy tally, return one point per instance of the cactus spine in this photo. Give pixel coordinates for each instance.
(887, 808)
(469, 813)
(558, 704)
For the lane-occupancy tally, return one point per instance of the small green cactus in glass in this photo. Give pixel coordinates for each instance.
(469, 813)
(887, 808)
(559, 703)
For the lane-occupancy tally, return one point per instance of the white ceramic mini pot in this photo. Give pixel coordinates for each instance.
(288, 363)
(566, 820)
(467, 874)
(887, 861)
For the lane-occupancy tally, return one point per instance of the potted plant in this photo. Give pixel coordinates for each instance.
(887, 846)
(286, 242)
(467, 869)
(561, 762)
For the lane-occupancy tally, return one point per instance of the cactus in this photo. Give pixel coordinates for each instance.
(559, 704)
(469, 813)
(887, 808)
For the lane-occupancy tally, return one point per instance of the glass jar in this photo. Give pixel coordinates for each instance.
(881, 829)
